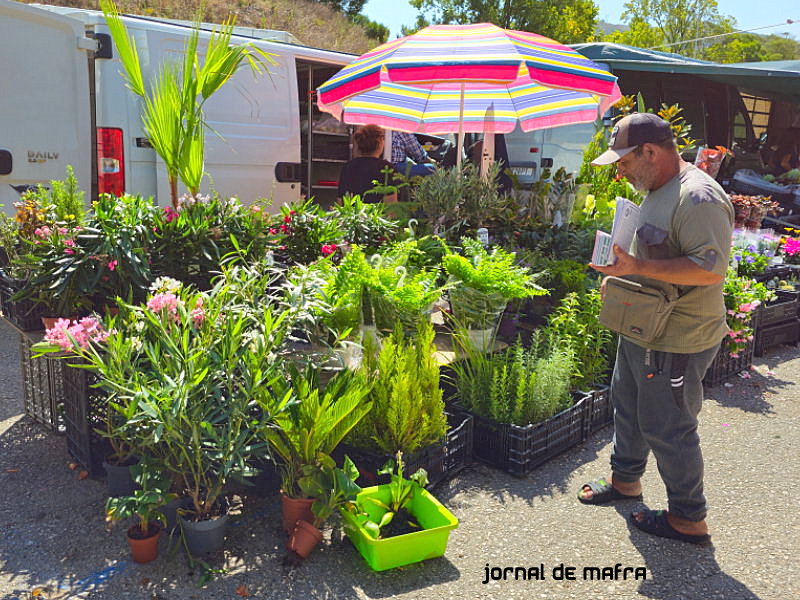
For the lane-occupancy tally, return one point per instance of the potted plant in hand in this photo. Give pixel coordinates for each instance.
(330, 487)
(482, 284)
(308, 433)
(143, 504)
(398, 523)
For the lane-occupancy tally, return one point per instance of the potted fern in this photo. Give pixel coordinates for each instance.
(482, 283)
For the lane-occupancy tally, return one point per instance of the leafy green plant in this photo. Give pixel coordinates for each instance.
(749, 263)
(518, 386)
(173, 117)
(330, 486)
(307, 229)
(145, 501)
(401, 492)
(483, 282)
(440, 195)
(310, 430)
(574, 322)
(407, 408)
(363, 223)
(194, 238)
(742, 298)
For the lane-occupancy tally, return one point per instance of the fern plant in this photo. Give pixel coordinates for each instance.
(407, 407)
(483, 283)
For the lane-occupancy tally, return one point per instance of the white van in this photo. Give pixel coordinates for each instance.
(63, 101)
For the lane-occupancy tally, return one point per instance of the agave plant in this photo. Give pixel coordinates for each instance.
(173, 103)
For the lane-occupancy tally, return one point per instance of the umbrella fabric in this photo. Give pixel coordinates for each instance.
(471, 54)
(487, 108)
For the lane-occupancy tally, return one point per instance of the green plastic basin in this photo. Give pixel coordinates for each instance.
(429, 542)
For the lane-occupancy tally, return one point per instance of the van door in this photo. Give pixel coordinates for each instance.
(45, 120)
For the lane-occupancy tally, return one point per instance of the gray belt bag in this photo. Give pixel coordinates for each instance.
(637, 311)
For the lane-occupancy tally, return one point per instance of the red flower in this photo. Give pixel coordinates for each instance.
(328, 249)
(284, 228)
(287, 219)
(273, 231)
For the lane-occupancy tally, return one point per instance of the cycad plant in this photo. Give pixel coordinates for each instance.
(173, 103)
(309, 431)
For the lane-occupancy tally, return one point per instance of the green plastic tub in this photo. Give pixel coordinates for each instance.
(405, 549)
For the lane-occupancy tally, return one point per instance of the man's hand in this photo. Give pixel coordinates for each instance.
(626, 264)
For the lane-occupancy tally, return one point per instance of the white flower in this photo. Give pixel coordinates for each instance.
(165, 285)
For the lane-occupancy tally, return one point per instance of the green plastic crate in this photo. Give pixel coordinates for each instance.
(406, 549)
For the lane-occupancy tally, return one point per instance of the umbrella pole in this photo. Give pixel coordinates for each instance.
(460, 141)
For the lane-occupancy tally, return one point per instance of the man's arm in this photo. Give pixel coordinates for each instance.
(678, 271)
(414, 149)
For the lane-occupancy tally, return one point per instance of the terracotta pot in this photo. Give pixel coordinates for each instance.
(295, 509)
(48, 322)
(304, 539)
(144, 550)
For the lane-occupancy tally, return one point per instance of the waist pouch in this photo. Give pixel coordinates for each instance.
(637, 311)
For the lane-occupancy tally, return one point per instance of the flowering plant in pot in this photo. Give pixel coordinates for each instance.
(197, 371)
(482, 284)
(307, 433)
(742, 297)
(143, 505)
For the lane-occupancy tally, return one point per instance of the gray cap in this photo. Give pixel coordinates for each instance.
(633, 131)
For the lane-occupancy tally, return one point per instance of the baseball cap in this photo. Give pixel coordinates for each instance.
(632, 131)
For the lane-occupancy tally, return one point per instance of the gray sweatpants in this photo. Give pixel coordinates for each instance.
(657, 397)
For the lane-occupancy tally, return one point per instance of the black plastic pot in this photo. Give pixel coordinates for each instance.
(119, 479)
(205, 537)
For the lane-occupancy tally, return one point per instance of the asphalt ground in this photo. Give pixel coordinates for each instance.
(53, 541)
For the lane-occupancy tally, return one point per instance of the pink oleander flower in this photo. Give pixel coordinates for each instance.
(70, 243)
(62, 230)
(112, 265)
(69, 251)
(170, 214)
(328, 249)
(165, 302)
(198, 314)
(82, 332)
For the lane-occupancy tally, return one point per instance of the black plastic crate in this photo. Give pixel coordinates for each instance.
(773, 271)
(725, 366)
(42, 388)
(441, 461)
(430, 458)
(25, 315)
(787, 332)
(518, 450)
(601, 412)
(85, 409)
(783, 308)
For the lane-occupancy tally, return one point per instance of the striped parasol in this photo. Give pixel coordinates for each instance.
(469, 78)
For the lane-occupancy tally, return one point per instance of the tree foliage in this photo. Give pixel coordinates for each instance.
(567, 21)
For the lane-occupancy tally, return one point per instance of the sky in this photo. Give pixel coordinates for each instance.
(395, 13)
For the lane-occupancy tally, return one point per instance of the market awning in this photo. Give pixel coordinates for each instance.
(779, 79)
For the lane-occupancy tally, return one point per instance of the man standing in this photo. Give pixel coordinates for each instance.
(405, 146)
(682, 244)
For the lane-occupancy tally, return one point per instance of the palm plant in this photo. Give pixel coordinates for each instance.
(173, 104)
